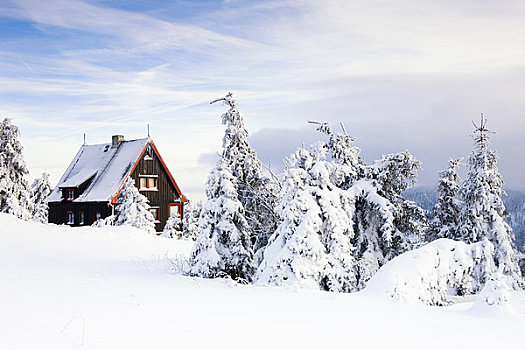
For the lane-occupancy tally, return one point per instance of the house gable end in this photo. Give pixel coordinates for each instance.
(134, 172)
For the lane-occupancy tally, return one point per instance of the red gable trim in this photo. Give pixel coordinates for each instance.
(183, 198)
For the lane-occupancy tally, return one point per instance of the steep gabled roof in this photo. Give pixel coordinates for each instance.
(107, 167)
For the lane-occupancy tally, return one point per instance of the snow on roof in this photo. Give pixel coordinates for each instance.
(78, 179)
(110, 166)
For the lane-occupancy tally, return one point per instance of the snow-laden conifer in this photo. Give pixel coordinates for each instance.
(190, 220)
(445, 214)
(133, 209)
(173, 227)
(392, 175)
(483, 211)
(349, 166)
(15, 193)
(386, 224)
(312, 244)
(255, 191)
(40, 190)
(223, 246)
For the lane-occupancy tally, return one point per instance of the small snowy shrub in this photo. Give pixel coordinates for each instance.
(173, 227)
(104, 222)
(495, 292)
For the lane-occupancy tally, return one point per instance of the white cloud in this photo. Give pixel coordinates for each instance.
(389, 69)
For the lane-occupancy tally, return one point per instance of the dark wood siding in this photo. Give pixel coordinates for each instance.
(58, 211)
(165, 194)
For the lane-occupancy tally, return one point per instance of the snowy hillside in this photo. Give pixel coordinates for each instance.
(117, 287)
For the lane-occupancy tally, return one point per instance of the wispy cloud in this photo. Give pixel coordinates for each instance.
(84, 66)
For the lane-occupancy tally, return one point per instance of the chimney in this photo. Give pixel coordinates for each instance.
(116, 140)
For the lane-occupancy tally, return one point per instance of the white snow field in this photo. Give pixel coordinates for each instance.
(118, 288)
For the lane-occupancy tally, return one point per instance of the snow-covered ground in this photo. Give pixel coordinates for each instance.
(118, 288)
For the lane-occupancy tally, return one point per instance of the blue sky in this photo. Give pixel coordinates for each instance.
(399, 74)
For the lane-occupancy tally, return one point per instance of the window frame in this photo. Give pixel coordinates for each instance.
(70, 215)
(70, 194)
(147, 179)
(81, 217)
(157, 211)
(179, 208)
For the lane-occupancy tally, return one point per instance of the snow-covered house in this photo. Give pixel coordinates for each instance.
(90, 187)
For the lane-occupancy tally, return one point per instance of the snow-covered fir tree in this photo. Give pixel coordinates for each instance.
(312, 244)
(386, 224)
(223, 246)
(40, 190)
(445, 215)
(255, 191)
(133, 209)
(190, 220)
(349, 166)
(173, 227)
(15, 193)
(483, 212)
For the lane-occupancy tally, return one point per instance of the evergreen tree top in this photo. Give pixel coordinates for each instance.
(450, 173)
(481, 133)
(341, 144)
(9, 137)
(232, 116)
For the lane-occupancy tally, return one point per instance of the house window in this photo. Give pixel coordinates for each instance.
(81, 218)
(70, 195)
(155, 212)
(175, 210)
(148, 182)
(152, 182)
(70, 218)
(97, 216)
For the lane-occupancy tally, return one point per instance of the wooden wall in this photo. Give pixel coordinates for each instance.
(166, 193)
(58, 211)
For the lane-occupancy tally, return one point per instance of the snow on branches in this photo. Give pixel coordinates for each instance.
(435, 272)
(15, 193)
(482, 215)
(255, 191)
(133, 209)
(40, 190)
(312, 244)
(173, 227)
(444, 223)
(223, 246)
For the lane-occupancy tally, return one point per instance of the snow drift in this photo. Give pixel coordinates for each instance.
(114, 288)
(434, 272)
